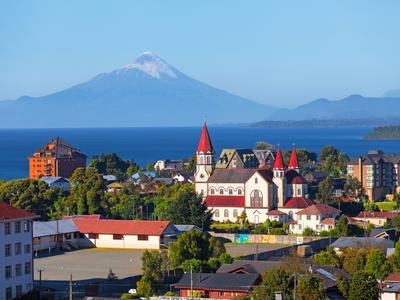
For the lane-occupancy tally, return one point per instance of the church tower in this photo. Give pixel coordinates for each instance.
(279, 178)
(204, 162)
(294, 163)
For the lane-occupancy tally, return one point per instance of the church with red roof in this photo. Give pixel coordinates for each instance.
(252, 181)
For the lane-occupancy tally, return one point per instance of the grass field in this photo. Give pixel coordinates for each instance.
(386, 205)
(224, 226)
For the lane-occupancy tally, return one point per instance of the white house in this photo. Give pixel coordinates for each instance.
(125, 233)
(56, 182)
(318, 217)
(168, 165)
(16, 263)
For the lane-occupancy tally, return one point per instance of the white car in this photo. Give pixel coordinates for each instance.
(132, 292)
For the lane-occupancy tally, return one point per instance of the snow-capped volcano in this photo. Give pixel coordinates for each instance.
(151, 64)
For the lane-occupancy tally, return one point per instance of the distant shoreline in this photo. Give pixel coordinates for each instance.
(389, 133)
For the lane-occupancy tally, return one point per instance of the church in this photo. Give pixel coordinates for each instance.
(254, 181)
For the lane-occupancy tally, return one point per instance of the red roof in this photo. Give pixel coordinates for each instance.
(121, 226)
(318, 209)
(298, 202)
(278, 160)
(275, 212)
(298, 180)
(8, 212)
(377, 214)
(224, 201)
(205, 145)
(83, 217)
(394, 277)
(328, 221)
(294, 163)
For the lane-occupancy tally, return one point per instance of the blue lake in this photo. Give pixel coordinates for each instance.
(145, 145)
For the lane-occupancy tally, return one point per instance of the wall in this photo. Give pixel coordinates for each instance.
(128, 242)
(265, 238)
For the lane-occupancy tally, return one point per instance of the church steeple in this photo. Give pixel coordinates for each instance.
(205, 145)
(205, 161)
(294, 163)
(279, 165)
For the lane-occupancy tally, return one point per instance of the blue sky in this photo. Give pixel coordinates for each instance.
(278, 52)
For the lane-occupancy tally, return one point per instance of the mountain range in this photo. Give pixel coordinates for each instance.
(151, 92)
(146, 92)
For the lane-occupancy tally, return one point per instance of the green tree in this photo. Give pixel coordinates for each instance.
(370, 206)
(343, 285)
(327, 257)
(376, 264)
(305, 158)
(144, 287)
(112, 164)
(325, 190)
(396, 223)
(154, 265)
(264, 146)
(189, 208)
(333, 160)
(353, 186)
(309, 232)
(216, 247)
(310, 287)
(197, 265)
(189, 165)
(363, 287)
(243, 221)
(353, 260)
(275, 279)
(342, 228)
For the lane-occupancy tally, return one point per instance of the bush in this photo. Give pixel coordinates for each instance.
(144, 287)
(170, 294)
(128, 296)
(309, 232)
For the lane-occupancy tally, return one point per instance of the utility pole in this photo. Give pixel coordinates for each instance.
(294, 289)
(70, 287)
(191, 282)
(40, 282)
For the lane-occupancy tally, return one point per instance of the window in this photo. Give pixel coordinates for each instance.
(316, 217)
(216, 213)
(8, 293)
(7, 228)
(226, 213)
(76, 235)
(299, 192)
(299, 226)
(299, 217)
(17, 248)
(27, 248)
(93, 235)
(18, 270)
(17, 227)
(212, 191)
(256, 180)
(208, 160)
(235, 213)
(256, 199)
(290, 214)
(142, 237)
(8, 272)
(308, 217)
(239, 191)
(221, 191)
(230, 191)
(28, 267)
(18, 291)
(234, 163)
(67, 236)
(7, 250)
(27, 226)
(118, 237)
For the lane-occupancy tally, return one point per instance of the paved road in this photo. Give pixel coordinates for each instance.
(89, 264)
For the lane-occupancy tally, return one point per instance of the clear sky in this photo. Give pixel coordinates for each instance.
(278, 52)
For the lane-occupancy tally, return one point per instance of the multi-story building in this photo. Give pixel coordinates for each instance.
(377, 172)
(240, 182)
(57, 159)
(16, 259)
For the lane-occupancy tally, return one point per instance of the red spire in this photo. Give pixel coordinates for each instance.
(205, 145)
(294, 163)
(278, 160)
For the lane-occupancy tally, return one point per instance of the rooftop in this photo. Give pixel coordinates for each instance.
(8, 212)
(319, 209)
(224, 201)
(41, 229)
(298, 202)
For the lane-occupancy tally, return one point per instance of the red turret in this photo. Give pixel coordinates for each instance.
(278, 160)
(294, 163)
(205, 145)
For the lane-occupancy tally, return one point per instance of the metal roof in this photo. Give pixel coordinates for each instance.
(41, 229)
(52, 179)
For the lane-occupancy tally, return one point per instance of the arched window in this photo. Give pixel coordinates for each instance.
(226, 213)
(230, 192)
(212, 191)
(208, 160)
(221, 191)
(235, 213)
(216, 213)
(256, 199)
(256, 180)
(201, 160)
(299, 192)
(239, 191)
(290, 214)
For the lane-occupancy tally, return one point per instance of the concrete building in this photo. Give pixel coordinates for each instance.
(318, 217)
(56, 182)
(238, 183)
(377, 171)
(57, 158)
(16, 263)
(125, 233)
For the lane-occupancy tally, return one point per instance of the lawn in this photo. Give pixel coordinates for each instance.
(224, 226)
(386, 205)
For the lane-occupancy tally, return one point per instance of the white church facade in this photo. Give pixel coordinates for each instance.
(251, 181)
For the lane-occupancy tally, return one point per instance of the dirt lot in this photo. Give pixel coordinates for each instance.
(89, 264)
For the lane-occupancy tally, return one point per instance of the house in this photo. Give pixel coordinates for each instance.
(377, 218)
(16, 263)
(130, 234)
(217, 285)
(57, 159)
(114, 187)
(182, 177)
(143, 177)
(168, 165)
(318, 217)
(237, 182)
(385, 233)
(109, 178)
(390, 291)
(392, 278)
(377, 172)
(315, 177)
(248, 267)
(57, 234)
(56, 182)
(186, 228)
(361, 242)
(278, 216)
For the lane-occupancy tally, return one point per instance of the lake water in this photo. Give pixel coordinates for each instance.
(144, 145)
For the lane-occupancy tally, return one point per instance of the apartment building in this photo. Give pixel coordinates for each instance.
(16, 259)
(377, 171)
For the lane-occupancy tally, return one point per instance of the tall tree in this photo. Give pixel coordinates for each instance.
(363, 287)
(325, 190)
(111, 163)
(274, 280)
(376, 264)
(310, 287)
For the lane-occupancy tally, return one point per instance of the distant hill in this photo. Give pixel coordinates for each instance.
(392, 93)
(384, 133)
(146, 92)
(352, 107)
